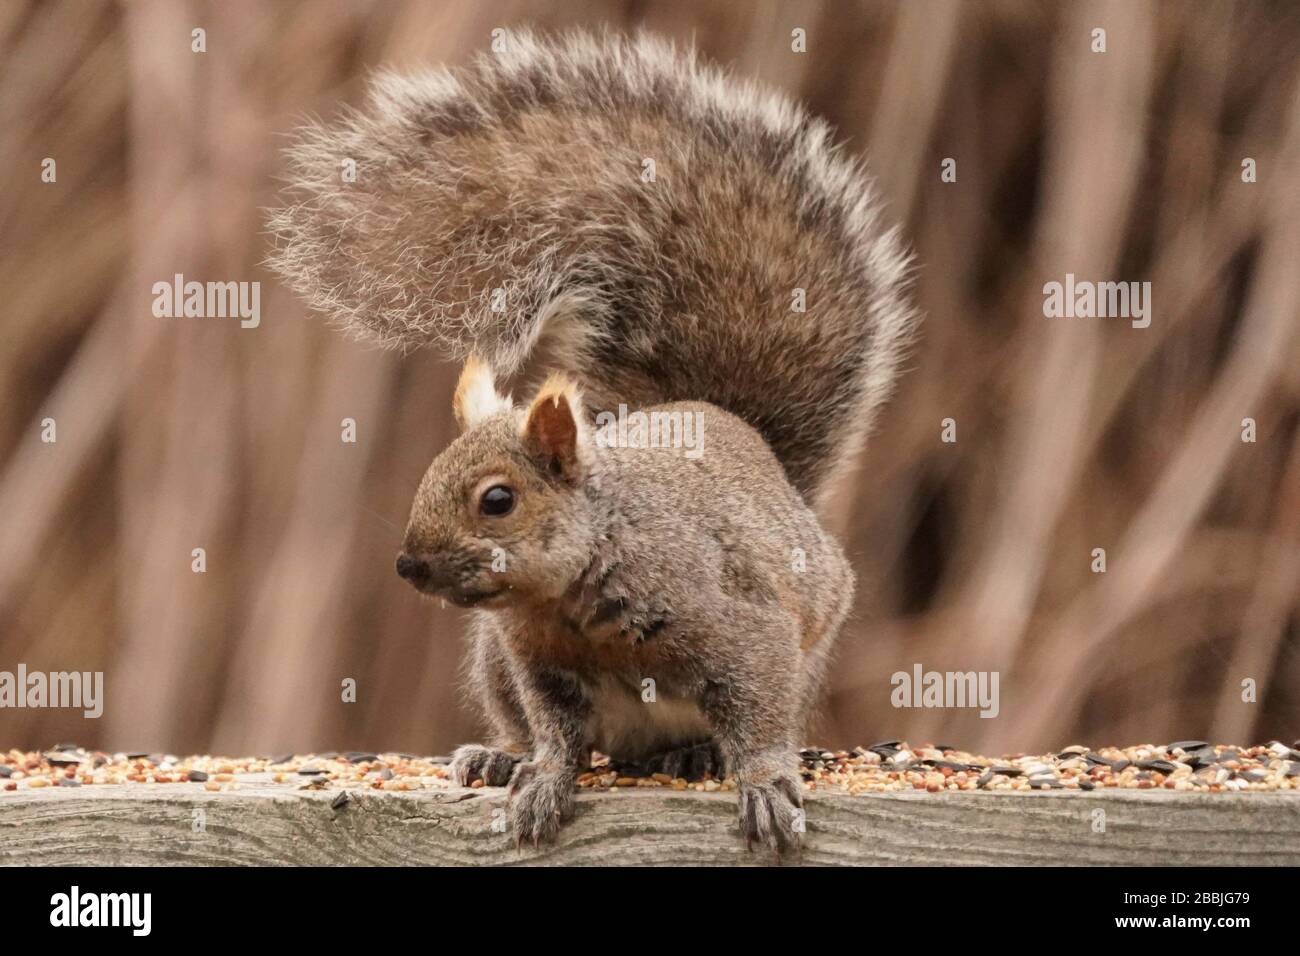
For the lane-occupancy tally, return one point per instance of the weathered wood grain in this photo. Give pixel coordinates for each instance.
(182, 824)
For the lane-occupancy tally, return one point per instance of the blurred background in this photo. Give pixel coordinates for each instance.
(1072, 434)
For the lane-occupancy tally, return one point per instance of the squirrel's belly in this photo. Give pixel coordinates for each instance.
(624, 725)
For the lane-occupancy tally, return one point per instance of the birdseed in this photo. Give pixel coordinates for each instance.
(889, 766)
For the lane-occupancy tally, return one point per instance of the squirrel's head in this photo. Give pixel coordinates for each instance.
(502, 513)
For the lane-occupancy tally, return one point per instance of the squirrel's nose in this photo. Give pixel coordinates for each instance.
(412, 569)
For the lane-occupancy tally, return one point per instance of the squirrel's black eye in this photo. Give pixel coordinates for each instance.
(497, 501)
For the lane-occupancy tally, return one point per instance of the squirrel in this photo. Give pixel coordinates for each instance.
(669, 242)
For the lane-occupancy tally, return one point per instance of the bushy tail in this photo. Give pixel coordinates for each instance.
(644, 222)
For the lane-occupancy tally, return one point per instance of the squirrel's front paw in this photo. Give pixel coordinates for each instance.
(540, 801)
(772, 813)
(474, 762)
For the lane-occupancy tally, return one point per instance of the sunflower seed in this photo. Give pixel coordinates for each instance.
(953, 766)
(1163, 766)
(1199, 758)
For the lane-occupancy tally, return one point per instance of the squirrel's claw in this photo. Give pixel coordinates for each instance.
(772, 814)
(540, 802)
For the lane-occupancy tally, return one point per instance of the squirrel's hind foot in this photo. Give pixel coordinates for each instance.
(692, 762)
(494, 767)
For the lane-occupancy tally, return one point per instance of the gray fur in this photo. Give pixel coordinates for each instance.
(639, 585)
(522, 173)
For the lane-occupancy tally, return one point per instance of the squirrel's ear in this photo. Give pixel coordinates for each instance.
(476, 394)
(552, 429)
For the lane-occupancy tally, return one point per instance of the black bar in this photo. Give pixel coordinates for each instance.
(584, 905)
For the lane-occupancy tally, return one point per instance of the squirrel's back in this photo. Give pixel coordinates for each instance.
(620, 211)
(695, 475)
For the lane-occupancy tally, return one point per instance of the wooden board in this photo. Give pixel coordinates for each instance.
(182, 824)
